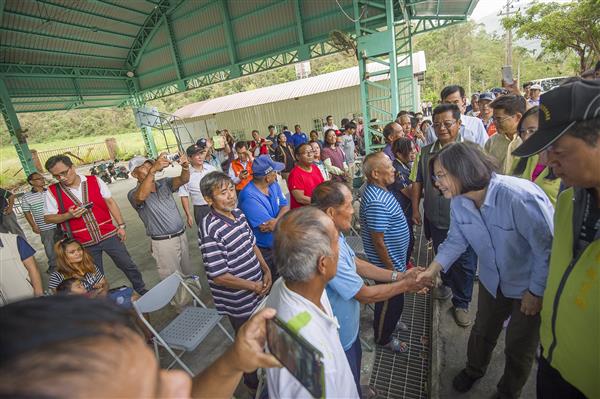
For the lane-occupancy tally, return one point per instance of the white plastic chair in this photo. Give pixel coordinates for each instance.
(186, 331)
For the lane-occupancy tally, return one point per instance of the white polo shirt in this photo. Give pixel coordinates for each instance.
(51, 206)
(192, 187)
(474, 131)
(322, 331)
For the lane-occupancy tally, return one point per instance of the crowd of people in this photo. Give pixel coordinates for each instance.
(507, 190)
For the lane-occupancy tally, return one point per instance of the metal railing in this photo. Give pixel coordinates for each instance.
(81, 154)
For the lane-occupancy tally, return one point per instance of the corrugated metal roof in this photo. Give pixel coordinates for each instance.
(289, 90)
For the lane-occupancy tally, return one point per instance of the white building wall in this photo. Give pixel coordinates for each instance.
(343, 103)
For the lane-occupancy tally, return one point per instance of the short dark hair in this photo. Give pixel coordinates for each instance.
(64, 331)
(328, 194)
(65, 286)
(350, 125)
(31, 175)
(327, 131)
(467, 163)
(240, 144)
(440, 109)
(448, 90)
(295, 126)
(254, 131)
(512, 104)
(328, 116)
(213, 180)
(403, 146)
(389, 129)
(53, 160)
(285, 128)
(527, 84)
(298, 149)
(271, 127)
(588, 131)
(401, 113)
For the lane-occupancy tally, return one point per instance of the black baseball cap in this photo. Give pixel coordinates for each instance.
(560, 109)
(196, 148)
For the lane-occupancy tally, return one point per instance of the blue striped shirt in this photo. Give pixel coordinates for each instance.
(227, 247)
(381, 213)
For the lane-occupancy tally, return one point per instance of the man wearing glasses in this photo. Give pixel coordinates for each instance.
(508, 111)
(473, 127)
(458, 281)
(33, 210)
(84, 207)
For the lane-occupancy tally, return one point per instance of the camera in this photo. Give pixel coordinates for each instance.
(173, 157)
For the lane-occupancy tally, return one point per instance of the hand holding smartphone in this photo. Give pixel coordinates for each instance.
(298, 356)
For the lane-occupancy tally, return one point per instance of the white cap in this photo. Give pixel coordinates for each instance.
(536, 86)
(137, 161)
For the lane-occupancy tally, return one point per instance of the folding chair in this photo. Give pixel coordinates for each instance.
(186, 331)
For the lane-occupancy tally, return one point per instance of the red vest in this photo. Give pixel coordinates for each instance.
(96, 224)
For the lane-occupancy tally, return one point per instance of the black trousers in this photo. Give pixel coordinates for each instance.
(387, 314)
(117, 251)
(267, 254)
(251, 379)
(551, 385)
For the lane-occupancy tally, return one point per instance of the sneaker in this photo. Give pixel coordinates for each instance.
(462, 317)
(400, 326)
(442, 292)
(396, 346)
(463, 382)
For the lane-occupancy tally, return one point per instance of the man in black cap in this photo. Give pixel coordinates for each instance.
(191, 190)
(569, 132)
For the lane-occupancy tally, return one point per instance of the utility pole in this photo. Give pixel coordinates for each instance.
(508, 10)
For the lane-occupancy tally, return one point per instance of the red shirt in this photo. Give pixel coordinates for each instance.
(299, 179)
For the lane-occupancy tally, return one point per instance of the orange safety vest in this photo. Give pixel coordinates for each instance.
(237, 167)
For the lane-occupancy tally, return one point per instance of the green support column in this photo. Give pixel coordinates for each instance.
(14, 128)
(138, 102)
(390, 48)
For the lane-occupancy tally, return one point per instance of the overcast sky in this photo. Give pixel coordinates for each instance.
(487, 7)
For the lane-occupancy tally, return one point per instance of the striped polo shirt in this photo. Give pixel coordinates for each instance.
(34, 202)
(380, 212)
(227, 247)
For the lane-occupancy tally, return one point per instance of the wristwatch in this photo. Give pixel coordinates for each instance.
(394, 275)
(122, 226)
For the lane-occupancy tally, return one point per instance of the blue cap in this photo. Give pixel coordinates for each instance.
(487, 96)
(263, 165)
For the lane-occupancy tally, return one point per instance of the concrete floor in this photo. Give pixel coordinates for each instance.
(451, 339)
(452, 355)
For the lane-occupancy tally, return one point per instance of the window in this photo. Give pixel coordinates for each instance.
(318, 124)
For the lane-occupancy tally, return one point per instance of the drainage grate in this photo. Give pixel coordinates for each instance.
(407, 375)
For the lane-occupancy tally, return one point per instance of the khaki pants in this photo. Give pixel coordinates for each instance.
(172, 255)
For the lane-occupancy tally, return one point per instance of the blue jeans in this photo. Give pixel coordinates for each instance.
(354, 356)
(461, 275)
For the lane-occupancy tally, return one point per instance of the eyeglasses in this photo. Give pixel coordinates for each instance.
(438, 177)
(62, 174)
(446, 124)
(501, 120)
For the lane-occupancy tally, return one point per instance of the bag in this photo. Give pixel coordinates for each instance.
(61, 207)
(183, 297)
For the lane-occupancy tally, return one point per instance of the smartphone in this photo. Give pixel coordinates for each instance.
(298, 356)
(507, 74)
(87, 205)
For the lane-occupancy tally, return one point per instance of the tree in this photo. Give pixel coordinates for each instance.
(572, 26)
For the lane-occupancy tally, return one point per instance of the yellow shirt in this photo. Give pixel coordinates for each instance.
(500, 147)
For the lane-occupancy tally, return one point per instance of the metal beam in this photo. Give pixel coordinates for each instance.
(68, 38)
(299, 28)
(257, 11)
(26, 71)
(197, 11)
(146, 33)
(69, 24)
(64, 6)
(185, 38)
(121, 6)
(54, 51)
(17, 135)
(174, 49)
(224, 9)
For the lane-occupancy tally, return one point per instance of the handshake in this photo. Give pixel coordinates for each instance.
(419, 280)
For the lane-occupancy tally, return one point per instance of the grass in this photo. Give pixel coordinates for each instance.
(11, 174)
